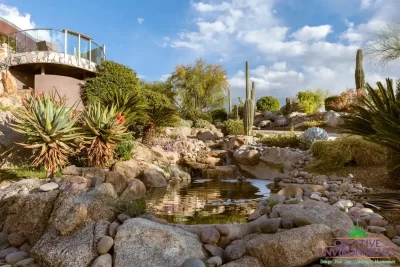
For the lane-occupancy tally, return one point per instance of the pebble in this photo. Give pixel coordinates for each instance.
(396, 240)
(25, 262)
(214, 250)
(103, 261)
(16, 257)
(112, 230)
(7, 251)
(209, 236)
(391, 232)
(315, 197)
(123, 217)
(16, 240)
(214, 262)
(287, 223)
(378, 222)
(104, 245)
(25, 247)
(194, 262)
(376, 229)
(48, 187)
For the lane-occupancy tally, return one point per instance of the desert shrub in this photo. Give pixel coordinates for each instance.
(307, 101)
(282, 140)
(268, 103)
(133, 208)
(195, 115)
(184, 123)
(344, 101)
(234, 127)
(219, 115)
(123, 150)
(310, 124)
(201, 123)
(329, 102)
(345, 151)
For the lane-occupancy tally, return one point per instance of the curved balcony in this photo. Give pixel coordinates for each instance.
(55, 47)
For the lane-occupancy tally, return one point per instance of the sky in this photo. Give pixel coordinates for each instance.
(291, 45)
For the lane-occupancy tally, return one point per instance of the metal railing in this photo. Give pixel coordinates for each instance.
(50, 40)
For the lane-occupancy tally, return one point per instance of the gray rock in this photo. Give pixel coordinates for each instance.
(299, 245)
(112, 230)
(398, 229)
(235, 251)
(96, 181)
(77, 249)
(194, 262)
(268, 226)
(103, 261)
(316, 212)
(140, 242)
(117, 180)
(214, 262)
(5, 252)
(247, 156)
(72, 170)
(135, 189)
(287, 223)
(123, 217)
(48, 187)
(3, 238)
(209, 236)
(104, 245)
(153, 178)
(89, 172)
(244, 261)
(129, 169)
(16, 257)
(25, 247)
(214, 250)
(25, 262)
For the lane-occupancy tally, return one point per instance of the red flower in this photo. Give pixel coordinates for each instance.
(119, 115)
(122, 120)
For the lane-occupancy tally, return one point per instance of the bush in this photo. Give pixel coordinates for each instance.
(343, 102)
(268, 103)
(282, 140)
(201, 123)
(184, 123)
(307, 101)
(345, 151)
(123, 150)
(234, 127)
(195, 115)
(329, 102)
(310, 124)
(219, 115)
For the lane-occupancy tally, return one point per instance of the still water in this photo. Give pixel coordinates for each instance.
(203, 201)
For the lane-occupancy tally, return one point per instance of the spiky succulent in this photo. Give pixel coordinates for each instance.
(103, 128)
(49, 125)
(314, 134)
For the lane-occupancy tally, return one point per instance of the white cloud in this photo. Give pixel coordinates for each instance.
(13, 15)
(308, 33)
(366, 4)
(140, 20)
(165, 77)
(279, 66)
(202, 7)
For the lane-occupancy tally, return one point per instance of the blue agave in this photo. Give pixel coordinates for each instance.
(314, 134)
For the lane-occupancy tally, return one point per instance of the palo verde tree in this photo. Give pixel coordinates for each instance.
(200, 87)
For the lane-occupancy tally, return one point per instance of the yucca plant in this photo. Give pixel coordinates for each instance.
(376, 117)
(50, 126)
(103, 128)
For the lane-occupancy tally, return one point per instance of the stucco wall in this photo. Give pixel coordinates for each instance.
(65, 86)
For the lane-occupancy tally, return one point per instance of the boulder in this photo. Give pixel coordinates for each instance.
(265, 171)
(295, 247)
(205, 159)
(291, 191)
(180, 132)
(281, 156)
(316, 212)
(247, 156)
(244, 261)
(134, 190)
(140, 242)
(221, 172)
(72, 170)
(117, 180)
(129, 169)
(30, 214)
(152, 177)
(264, 123)
(210, 236)
(333, 118)
(168, 157)
(78, 249)
(209, 135)
(103, 261)
(89, 172)
(177, 174)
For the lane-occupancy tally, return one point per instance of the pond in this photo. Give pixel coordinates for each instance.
(206, 201)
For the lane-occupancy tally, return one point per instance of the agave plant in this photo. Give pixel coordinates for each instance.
(376, 117)
(313, 134)
(104, 127)
(49, 125)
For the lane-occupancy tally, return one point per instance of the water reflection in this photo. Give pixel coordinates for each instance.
(207, 201)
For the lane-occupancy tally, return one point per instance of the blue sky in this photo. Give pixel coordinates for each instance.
(292, 45)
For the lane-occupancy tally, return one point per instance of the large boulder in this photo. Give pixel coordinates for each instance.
(247, 156)
(333, 118)
(180, 133)
(221, 172)
(316, 212)
(78, 249)
(281, 156)
(291, 248)
(134, 190)
(170, 157)
(209, 135)
(29, 215)
(244, 261)
(140, 242)
(265, 171)
(130, 169)
(153, 177)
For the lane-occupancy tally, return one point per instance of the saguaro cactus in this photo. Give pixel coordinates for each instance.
(236, 112)
(248, 116)
(229, 102)
(247, 81)
(359, 75)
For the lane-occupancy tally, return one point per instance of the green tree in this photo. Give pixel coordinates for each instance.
(164, 87)
(200, 86)
(385, 45)
(319, 98)
(268, 103)
(306, 101)
(110, 76)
